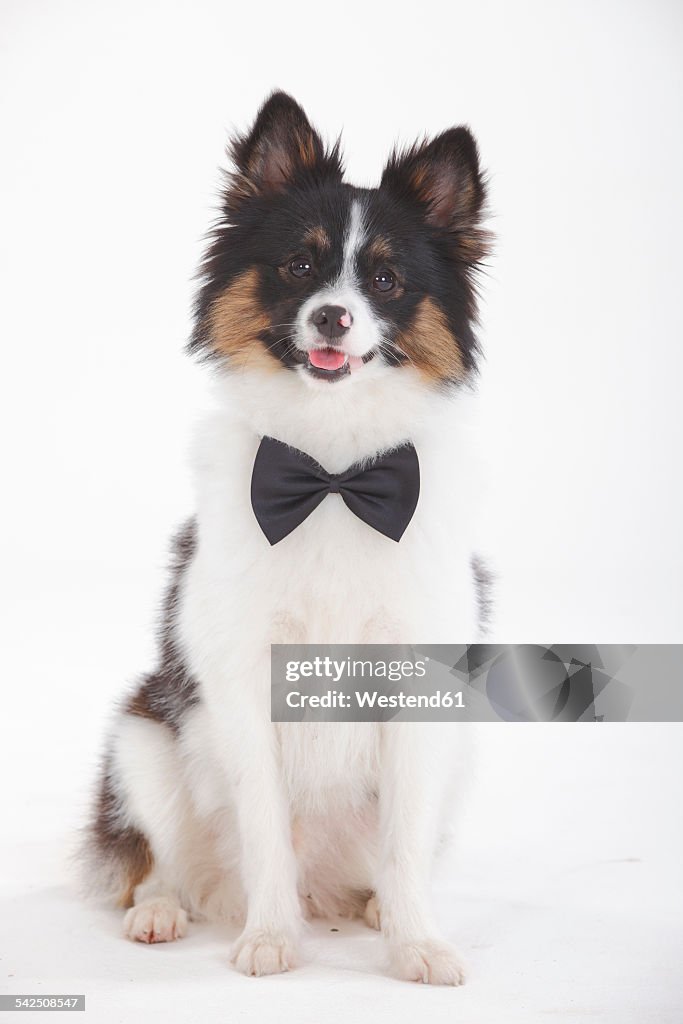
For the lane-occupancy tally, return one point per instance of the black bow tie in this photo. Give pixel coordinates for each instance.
(287, 485)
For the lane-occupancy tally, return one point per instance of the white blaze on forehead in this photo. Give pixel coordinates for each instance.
(364, 326)
(355, 236)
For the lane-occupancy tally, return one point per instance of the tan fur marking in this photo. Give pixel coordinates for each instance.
(430, 345)
(118, 847)
(139, 863)
(139, 705)
(419, 178)
(237, 319)
(306, 150)
(379, 249)
(318, 238)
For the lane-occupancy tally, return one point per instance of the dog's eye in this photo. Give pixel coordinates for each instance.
(300, 266)
(383, 281)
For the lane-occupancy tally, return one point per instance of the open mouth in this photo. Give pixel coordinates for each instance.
(331, 364)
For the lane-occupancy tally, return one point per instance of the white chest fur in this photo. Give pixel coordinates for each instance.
(334, 579)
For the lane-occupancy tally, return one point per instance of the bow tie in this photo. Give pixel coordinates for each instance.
(287, 485)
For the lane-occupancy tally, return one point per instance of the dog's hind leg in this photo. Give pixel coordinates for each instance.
(135, 838)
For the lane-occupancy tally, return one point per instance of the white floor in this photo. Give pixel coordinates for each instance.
(564, 894)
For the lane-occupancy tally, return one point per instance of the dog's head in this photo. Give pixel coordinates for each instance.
(308, 275)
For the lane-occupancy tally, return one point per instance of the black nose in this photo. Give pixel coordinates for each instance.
(332, 321)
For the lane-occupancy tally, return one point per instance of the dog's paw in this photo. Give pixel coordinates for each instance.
(371, 914)
(432, 961)
(258, 952)
(157, 920)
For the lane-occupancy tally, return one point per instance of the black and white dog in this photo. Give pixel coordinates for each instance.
(339, 321)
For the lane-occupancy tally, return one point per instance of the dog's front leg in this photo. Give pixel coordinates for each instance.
(269, 941)
(410, 804)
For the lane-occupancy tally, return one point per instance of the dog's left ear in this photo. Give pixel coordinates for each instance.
(280, 150)
(444, 177)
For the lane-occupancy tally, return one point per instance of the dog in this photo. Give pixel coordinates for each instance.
(339, 323)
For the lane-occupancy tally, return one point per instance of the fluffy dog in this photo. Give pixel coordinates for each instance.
(339, 321)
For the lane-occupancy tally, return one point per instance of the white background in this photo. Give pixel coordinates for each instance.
(566, 894)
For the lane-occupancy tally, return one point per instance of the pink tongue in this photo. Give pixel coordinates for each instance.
(327, 358)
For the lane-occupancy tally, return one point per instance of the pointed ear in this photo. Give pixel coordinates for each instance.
(282, 149)
(444, 177)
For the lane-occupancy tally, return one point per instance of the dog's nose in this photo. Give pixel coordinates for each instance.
(332, 321)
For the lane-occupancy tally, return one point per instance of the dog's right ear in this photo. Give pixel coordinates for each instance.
(281, 150)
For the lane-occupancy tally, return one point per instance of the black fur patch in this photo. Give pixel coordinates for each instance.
(166, 694)
(121, 853)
